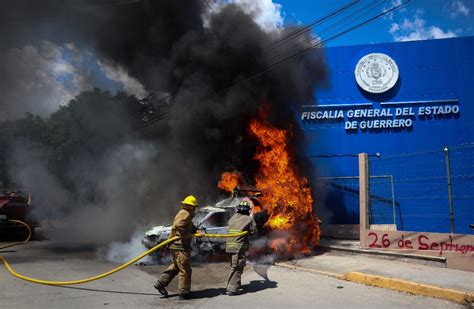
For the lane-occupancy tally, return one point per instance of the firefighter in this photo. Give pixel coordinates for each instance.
(180, 250)
(236, 247)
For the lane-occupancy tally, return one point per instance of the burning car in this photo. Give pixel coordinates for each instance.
(212, 219)
(16, 205)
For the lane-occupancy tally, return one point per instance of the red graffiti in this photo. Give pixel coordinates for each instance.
(424, 243)
(405, 243)
(443, 246)
(385, 241)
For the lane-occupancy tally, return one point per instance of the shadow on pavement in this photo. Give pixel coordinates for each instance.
(208, 293)
(108, 291)
(252, 287)
(259, 285)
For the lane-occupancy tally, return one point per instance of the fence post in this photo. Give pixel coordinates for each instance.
(450, 192)
(364, 199)
(393, 202)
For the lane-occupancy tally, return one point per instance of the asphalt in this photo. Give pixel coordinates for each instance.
(341, 268)
(133, 286)
(391, 272)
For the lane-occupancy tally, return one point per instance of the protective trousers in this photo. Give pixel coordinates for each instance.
(237, 265)
(181, 265)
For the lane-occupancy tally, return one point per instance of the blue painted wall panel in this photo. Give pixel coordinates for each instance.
(429, 70)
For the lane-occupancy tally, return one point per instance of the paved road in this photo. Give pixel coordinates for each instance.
(133, 287)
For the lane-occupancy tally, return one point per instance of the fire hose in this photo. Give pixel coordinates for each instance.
(21, 242)
(103, 275)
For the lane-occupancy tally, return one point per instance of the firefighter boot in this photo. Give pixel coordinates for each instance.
(161, 288)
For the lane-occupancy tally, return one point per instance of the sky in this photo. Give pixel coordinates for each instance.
(418, 20)
(41, 76)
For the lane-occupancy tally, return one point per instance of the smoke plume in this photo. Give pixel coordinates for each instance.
(202, 58)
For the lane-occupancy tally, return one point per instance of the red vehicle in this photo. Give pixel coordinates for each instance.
(16, 205)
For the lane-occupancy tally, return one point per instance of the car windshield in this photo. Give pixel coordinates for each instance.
(214, 219)
(199, 216)
(218, 219)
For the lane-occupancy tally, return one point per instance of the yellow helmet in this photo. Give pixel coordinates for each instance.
(190, 200)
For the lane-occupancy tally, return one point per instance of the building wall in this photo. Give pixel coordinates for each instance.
(431, 73)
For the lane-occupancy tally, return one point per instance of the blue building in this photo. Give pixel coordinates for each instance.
(410, 106)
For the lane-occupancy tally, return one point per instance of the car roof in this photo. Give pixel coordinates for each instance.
(214, 209)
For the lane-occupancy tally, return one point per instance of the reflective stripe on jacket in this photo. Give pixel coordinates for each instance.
(239, 223)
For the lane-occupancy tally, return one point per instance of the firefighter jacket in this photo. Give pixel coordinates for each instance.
(239, 223)
(183, 227)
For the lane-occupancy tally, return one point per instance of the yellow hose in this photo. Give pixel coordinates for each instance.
(222, 235)
(21, 242)
(72, 282)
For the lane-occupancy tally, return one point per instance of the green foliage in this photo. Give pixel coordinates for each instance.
(89, 125)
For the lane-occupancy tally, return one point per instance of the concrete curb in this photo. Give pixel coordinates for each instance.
(411, 287)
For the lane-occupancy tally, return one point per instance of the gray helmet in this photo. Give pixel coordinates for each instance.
(243, 206)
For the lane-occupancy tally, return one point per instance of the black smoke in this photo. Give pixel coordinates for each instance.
(215, 73)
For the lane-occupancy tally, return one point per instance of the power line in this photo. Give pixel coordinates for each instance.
(277, 63)
(209, 5)
(285, 38)
(340, 23)
(120, 3)
(314, 23)
(350, 155)
(319, 44)
(358, 14)
(280, 41)
(292, 34)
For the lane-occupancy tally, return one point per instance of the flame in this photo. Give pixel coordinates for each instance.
(286, 197)
(279, 222)
(229, 181)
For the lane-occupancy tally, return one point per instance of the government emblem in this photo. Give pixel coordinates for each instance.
(376, 73)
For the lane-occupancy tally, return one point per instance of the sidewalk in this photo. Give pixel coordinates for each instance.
(415, 278)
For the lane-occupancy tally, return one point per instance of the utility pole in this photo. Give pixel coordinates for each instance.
(450, 191)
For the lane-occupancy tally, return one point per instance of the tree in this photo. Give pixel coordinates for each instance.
(87, 127)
